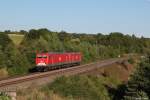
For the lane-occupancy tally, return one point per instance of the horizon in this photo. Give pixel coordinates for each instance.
(86, 16)
(76, 32)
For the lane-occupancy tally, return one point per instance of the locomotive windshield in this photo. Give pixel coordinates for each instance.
(41, 56)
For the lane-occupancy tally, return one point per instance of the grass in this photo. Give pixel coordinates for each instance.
(37, 94)
(16, 38)
(80, 87)
(3, 73)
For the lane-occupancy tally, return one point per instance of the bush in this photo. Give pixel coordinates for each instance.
(138, 85)
(81, 87)
(131, 60)
(3, 96)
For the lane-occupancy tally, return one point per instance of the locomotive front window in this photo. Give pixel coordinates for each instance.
(44, 56)
(41, 56)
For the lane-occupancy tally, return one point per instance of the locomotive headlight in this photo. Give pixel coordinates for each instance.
(41, 64)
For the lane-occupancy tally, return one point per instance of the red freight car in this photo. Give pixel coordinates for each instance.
(48, 61)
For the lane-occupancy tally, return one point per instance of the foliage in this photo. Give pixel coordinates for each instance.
(82, 87)
(71, 88)
(138, 85)
(137, 95)
(38, 94)
(11, 57)
(19, 58)
(3, 96)
(131, 60)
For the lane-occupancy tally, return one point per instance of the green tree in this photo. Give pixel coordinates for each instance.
(139, 81)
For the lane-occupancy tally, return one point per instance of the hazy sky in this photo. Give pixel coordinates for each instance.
(82, 16)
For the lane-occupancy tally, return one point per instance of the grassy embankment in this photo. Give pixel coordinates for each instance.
(91, 86)
(16, 38)
(72, 88)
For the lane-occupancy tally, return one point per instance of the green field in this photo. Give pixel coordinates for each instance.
(16, 38)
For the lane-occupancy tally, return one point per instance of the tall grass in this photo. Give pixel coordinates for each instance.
(3, 73)
(37, 94)
(16, 38)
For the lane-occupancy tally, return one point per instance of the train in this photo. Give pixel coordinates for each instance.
(55, 60)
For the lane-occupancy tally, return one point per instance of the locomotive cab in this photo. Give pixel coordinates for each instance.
(41, 60)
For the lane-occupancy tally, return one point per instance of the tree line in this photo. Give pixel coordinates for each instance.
(19, 59)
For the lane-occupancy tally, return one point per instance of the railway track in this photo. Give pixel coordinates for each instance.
(38, 79)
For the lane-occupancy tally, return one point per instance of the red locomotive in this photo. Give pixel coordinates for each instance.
(49, 61)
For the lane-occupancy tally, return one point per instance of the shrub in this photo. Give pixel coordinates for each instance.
(3, 96)
(81, 87)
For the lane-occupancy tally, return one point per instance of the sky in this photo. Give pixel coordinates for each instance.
(81, 16)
